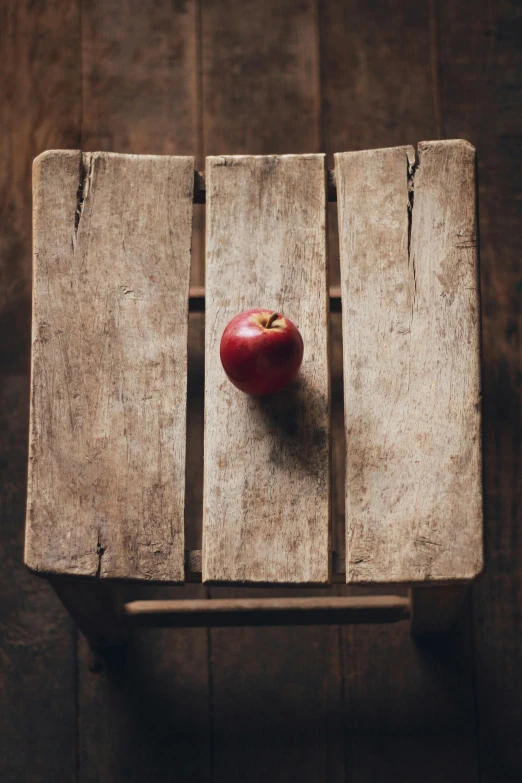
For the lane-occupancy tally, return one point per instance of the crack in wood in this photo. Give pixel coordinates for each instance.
(86, 170)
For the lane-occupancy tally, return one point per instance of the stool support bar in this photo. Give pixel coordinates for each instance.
(229, 612)
(99, 610)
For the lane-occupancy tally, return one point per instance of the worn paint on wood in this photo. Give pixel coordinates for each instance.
(412, 363)
(107, 438)
(267, 493)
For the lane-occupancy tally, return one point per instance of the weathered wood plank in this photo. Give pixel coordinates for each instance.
(266, 491)
(200, 187)
(141, 85)
(193, 560)
(197, 299)
(141, 94)
(481, 94)
(282, 684)
(40, 88)
(107, 437)
(380, 88)
(412, 364)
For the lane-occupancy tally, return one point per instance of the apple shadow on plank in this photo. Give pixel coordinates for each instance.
(298, 420)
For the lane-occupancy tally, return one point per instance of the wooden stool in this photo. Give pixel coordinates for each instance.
(112, 248)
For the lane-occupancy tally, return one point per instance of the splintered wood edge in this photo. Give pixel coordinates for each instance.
(193, 559)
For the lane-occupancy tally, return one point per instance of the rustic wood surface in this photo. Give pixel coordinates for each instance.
(197, 299)
(38, 672)
(380, 87)
(200, 187)
(247, 700)
(354, 703)
(411, 319)
(481, 91)
(110, 309)
(140, 710)
(193, 559)
(266, 485)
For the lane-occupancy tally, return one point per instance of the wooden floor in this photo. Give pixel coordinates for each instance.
(353, 704)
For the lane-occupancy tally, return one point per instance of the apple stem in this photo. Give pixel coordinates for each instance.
(271, 320)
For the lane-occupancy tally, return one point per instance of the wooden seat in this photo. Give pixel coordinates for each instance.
(112, 236)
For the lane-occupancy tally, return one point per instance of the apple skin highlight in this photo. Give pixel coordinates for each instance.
(261, 351)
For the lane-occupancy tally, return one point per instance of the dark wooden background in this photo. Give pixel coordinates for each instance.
(265, 76)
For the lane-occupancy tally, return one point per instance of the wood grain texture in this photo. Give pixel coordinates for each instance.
(481, 99)
(379, 88)
(32, 120)
(143, 712)
(409, 712)
(193, 558)
(140, 77)
(275, 695)
(378, 81)
(260, 77)
(266, 482)
(40, 99)
(141, 89)
(107, 438)
(412, 407)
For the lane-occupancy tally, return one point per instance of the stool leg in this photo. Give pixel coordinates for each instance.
(97, 609)
(434, 610)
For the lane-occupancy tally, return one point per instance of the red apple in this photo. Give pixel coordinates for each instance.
(261, 351)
